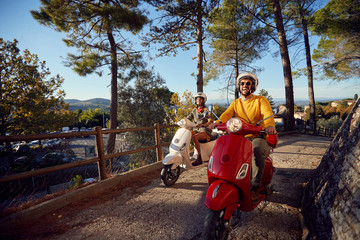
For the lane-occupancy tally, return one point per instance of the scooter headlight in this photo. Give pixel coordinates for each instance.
(234, 125)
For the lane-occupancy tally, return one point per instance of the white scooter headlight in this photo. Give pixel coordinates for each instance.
(234, 125)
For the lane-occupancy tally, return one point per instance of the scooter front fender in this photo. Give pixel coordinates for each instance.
(174, 158)
(222, 195)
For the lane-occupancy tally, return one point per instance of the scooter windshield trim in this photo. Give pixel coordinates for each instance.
(243, 171)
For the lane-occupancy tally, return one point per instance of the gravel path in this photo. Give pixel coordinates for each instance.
(146, 209)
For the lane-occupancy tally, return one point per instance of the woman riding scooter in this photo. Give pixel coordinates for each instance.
(251, 109)
(202, 133)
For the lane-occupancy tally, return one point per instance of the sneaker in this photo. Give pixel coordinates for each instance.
(198, 161)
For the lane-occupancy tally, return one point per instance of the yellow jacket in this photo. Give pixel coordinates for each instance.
(257, 108)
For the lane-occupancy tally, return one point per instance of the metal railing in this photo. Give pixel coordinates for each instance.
(320, 131)
(80, 157)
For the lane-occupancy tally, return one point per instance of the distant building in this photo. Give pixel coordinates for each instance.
(337, 103)
(300, 115)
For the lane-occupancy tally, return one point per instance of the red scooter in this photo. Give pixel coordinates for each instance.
(230, 170)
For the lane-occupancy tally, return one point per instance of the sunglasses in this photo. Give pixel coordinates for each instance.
(247, 83)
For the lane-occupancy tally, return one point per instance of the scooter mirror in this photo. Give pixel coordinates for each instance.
(257, 124)
(211, 109)
(176, 111)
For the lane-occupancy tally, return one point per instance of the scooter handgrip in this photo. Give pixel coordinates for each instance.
(221, 127)
(272, 140)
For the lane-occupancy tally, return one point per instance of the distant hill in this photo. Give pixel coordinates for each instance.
(93, 103)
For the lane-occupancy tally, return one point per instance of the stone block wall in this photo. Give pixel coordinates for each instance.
(331, 200)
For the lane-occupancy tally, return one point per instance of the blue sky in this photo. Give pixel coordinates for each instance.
(16, 22)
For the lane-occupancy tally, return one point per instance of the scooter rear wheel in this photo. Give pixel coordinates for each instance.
(170, 176)
(215, 225)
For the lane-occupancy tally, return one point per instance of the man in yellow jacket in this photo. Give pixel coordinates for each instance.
(251, 109)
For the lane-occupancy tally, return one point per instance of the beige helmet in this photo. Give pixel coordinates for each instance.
(202, 95)
(250, 76)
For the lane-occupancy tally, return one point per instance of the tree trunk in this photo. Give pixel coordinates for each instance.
(310, 72)
(200, 52)
(236, 72)
(289, 91)
(113, 101)
(236, 64)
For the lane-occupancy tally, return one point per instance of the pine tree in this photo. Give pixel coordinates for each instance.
(93, 27)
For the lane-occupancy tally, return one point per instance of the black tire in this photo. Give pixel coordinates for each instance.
(214, 226)
(170, 176)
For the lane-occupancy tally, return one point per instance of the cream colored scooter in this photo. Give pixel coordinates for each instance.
(179, 158)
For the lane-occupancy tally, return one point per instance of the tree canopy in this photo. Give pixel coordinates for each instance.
(29, 102)
(94, 28)
(237, 39)
(181, 26)
(338, 51)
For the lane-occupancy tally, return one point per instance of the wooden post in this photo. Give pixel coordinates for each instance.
(100, 153)
(158, 142)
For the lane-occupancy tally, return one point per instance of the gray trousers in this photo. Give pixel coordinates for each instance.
(261, 150)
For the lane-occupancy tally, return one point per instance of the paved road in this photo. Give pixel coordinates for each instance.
(146, 209)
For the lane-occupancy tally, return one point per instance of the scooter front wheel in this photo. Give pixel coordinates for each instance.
(170, 176)
(215, 227)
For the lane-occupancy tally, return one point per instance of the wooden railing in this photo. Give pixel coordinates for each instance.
(101, 157)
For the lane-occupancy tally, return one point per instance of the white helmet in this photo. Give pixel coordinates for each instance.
(248, 75)
(202, 95)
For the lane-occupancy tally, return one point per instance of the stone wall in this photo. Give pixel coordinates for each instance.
(331, 201)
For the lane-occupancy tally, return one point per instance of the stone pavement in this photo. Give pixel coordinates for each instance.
(144, 208)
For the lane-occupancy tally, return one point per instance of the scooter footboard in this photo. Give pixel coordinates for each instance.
(220, 195)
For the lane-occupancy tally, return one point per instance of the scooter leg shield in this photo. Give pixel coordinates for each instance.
(206, 149)
(173, 158)
(222, 194)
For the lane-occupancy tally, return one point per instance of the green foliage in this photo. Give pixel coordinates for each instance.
(338, 50)
(142, 104)
(183, 105)
(88, 24)
(218, 110)
(94, 29)
(333, 123)
(180, 24)
(92, 117)
(180, 27)
(75, 182)
(319, 112)
(264, 93)
(29, 103)
(326, 111)
(298, 109)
